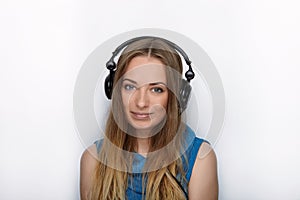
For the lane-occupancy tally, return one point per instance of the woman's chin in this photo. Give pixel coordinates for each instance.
(145, 129)
(142, 126)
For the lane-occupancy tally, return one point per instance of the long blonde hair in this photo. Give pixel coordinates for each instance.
(110, 182)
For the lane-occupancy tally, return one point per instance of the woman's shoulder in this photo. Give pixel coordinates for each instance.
(89, 153)
(202, 148)
(88, 158)
(204, 178)
(88, 164)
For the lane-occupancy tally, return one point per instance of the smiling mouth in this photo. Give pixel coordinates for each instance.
(139, 115)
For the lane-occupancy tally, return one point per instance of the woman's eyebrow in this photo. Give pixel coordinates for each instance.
(154, 83)
(158, 83)
(127, 79)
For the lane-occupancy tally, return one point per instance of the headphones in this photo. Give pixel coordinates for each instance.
(185, 88)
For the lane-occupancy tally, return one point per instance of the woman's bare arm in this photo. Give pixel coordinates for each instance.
(204, 179)
(88, 163)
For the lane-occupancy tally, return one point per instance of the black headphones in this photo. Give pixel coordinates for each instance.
(185, 88)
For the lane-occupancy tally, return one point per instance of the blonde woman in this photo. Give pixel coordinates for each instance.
(147, 151)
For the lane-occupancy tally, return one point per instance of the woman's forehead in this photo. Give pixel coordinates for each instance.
(144, 70)
(147, 73)
(142, 60)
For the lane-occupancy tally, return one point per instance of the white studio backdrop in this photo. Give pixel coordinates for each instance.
(254, 45)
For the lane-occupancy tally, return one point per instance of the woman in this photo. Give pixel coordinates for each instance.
(147, 151)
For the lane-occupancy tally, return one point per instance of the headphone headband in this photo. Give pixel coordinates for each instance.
(189, 75)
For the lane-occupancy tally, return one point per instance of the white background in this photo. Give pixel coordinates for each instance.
(254, 44)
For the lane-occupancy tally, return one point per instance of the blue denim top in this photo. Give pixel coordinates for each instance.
(135, 180)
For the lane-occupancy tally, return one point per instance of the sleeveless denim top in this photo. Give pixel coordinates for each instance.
(135, 180)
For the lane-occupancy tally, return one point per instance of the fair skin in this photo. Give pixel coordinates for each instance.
(145, 101)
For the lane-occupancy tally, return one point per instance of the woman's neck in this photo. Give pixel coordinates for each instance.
(143, 145)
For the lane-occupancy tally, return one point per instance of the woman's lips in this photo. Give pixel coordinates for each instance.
(140, 115)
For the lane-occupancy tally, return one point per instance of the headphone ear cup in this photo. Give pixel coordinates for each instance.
(108, 84)
(184, 94)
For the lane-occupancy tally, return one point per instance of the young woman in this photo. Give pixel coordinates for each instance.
(147, 151)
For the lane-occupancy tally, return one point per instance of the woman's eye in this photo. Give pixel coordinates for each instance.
(128, 87)
(157, 90)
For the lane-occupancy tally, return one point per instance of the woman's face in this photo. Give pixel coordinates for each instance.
(145, 93)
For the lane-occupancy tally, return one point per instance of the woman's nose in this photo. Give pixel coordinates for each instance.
(141, 97)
